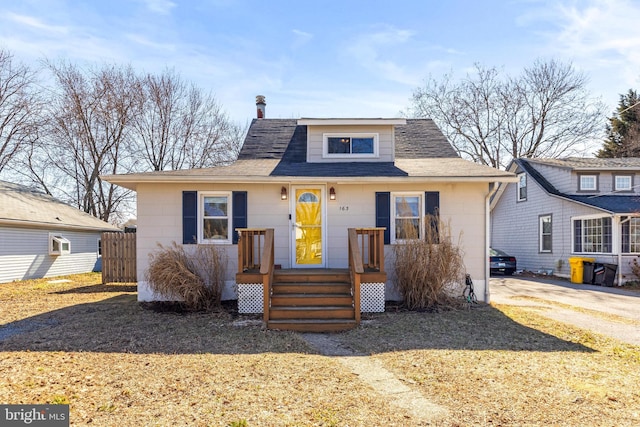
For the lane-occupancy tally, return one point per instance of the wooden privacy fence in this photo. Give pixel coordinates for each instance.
(118, 257)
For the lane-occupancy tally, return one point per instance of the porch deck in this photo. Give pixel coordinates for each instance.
(311, 299)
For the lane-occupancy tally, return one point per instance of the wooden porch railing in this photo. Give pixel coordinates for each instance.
(371, 242)
(256, 252)
(355, 270)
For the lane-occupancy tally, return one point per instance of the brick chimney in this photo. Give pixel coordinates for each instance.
(261, 104)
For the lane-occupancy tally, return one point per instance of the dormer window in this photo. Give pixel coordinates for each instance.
(588, 183)
(623, 183)
(350, 145)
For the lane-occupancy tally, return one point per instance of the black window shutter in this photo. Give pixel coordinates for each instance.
(189, 217)
(383, 214)
(432, 208)
(239, 213)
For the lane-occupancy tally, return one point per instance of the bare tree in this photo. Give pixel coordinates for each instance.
(181, 127)
(19, 108)
(88, 133)
(544, 112)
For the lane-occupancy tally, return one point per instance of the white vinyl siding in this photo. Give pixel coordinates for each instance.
(316, 143)
(462, 207)
(24, 253)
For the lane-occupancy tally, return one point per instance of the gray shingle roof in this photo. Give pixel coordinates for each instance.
(591, 163)
(20, 205)
(277, 148)
(284, 139)
(612, 203)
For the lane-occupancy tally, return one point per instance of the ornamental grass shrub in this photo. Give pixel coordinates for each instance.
(194, 277)
(429, 271)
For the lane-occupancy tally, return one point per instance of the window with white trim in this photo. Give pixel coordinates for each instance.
(58, 245)
(588, 183)
(631, 235)
(545, 229)
(214, 218)
(522, 187)
(622, 183)
(350, 145)
(407, 221)
(592, 235)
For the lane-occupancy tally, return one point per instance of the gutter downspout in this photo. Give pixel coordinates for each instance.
(493, 188)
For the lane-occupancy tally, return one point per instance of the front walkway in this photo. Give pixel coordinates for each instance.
(609, 311)
(384, 382)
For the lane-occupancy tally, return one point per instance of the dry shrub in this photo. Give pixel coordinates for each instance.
(427, 270)
(196, 279)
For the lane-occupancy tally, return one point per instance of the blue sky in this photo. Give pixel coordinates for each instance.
(342, 58)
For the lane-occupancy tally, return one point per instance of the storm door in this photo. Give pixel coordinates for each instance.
(307, 226)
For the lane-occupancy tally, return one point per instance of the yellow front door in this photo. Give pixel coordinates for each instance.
(308, 227)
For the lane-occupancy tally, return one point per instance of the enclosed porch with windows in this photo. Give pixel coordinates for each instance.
(311, 299)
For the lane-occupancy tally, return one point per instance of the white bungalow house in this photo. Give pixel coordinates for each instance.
(316, 196)
(43, 237)
(571, 208)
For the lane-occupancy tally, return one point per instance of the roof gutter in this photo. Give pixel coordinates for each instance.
(52, 225)
(132, 182)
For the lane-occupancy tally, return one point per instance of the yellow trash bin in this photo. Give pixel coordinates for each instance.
(576, 265)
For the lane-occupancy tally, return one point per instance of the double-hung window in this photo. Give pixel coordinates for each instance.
(545, 233)
(215, 219)
(350, 145)
(407, 222)
(522, 187)
(592, 235)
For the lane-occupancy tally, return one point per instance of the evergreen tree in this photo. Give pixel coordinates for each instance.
(623, 129)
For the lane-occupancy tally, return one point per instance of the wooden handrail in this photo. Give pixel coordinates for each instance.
(266, 269)
(355, 270)
(256, 252)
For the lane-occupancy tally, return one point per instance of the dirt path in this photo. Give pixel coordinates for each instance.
(384, 382)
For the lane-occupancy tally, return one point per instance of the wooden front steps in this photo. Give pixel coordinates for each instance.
(311, 301)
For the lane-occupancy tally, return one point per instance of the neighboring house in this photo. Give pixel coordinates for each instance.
(572, 207)
(310, 181)
(43, 237)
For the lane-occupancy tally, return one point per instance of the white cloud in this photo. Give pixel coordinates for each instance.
(370, 48)
(162, 7)
(600, 37)
(36, 23)
(300, 38)
(144, 41)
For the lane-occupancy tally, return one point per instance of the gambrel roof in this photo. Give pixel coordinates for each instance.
(25, 207)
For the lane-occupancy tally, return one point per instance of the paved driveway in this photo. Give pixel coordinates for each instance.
(612, 311)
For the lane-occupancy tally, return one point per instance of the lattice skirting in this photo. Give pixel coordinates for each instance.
(372, 297)
(250, 298)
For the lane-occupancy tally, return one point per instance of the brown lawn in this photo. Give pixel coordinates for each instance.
(119, 364)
